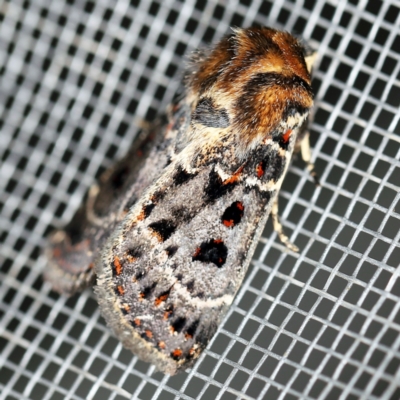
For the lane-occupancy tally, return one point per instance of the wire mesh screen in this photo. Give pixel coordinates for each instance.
(77, 77)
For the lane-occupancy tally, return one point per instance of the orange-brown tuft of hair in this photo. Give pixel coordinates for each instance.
(260, 77)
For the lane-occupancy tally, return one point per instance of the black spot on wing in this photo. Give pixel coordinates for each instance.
(192, 328)
(179, 277)
(162, 297)
(140, 275)
(147, 209)
(212, 251)
(158, 195)
(216, 188)
(208, 115)
(163, 228)
(124, 310)
(181, 176)
(190, 286)
(148, 291)
(233, 214)
(134, 252)
(178, 324)
(171, 250)
(283, 144)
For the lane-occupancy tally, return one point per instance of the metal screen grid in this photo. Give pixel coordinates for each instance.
(76, 76)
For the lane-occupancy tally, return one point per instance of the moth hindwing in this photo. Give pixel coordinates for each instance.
(172, 267)
(71, 251)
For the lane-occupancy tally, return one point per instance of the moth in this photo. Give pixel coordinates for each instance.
(178, 234)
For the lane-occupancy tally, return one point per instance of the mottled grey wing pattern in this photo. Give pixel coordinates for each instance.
(171, 269)
(72, 251)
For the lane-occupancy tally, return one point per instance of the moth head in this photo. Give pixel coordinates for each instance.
(261, 78)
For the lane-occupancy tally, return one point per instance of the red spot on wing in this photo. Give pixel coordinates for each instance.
(227, 223)
(286, 136)
(149, 333)
(161, 345)
(160, 299)
(197, 252)
(121, 290)
(233, 214)
(176, 353)
(118, 266)
(137, 321)
(213, 250)
(141, 216)
(235, 177)
(260, 169)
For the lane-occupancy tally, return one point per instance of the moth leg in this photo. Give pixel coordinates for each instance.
(278, 228)
(306, 156)
(145, 125)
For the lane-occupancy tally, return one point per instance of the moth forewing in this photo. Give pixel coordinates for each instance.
(172, 267)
